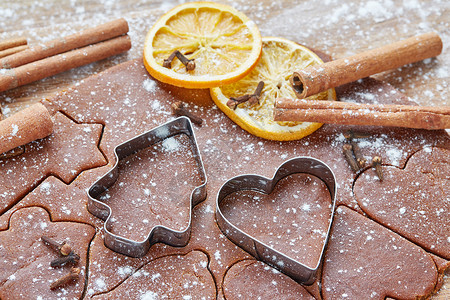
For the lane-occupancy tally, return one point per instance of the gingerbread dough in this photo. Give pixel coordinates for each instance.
(169, 277)
(69, 150)
(66, 202)
(141, 104)
(413, 201)
(251, 279)
(128, 102)
(157, 180)
(364, 260)
(25, 259)
(292, 219)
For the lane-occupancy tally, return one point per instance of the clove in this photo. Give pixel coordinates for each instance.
(348, 154)
(351, 134)
(168, 61)
(62, 248)
(66, 279)
(376, 163)
(255, 97)
(179, 109)
(234, 102)
(188, 63)
(71, 258)
(358, 155)
(68, 255)
(250, 98)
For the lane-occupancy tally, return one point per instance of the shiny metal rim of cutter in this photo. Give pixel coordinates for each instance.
(159, 233)
(293, 268)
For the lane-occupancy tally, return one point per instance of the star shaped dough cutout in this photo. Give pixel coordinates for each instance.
(69, 150)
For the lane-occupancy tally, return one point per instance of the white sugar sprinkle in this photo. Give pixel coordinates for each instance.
(149, 85)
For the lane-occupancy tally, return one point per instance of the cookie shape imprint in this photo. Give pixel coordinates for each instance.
(71, 199)
(364, 259)
(69, 150)
(251, 279)
(260, 215)
(413, 201)
(205, 236)
(26, 259)
(168, 277)
(160, 172)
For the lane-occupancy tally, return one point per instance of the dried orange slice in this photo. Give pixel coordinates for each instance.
(224, 43)
(280, 58)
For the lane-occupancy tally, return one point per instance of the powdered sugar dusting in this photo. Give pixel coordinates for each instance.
(15, 129)
(149, 85)
(149, 295)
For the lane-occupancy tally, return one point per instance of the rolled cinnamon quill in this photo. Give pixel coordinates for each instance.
(27, 125)
(13, 42)
(13, 50)
(335, 112)
(80, 39)
(11, 78)
(318, 78)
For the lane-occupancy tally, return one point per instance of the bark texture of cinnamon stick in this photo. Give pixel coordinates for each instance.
(13, 42)
(13, 50)
(335, 112)
(319, 78)
(27, 125)
(11, 78)
(86, 37)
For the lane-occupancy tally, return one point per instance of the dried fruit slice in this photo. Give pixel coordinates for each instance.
(224, 42)
(280, 57)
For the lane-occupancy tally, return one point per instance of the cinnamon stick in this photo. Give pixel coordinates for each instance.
(13, 50)
(318, 78)
(49, 66)
(86, 37)
(27, 125)
(335, 112)
(13, 42)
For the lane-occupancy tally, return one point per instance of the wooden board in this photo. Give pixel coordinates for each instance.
(337, 27)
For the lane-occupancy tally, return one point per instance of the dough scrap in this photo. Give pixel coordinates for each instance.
(364, 259)
(414, 201)
(25, 259)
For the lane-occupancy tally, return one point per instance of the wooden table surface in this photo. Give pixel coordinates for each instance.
(337, 27)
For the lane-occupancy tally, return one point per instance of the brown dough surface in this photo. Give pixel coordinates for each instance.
(251, 279)
(169, 277)
(292, 219)
(128, 102)
(70, 149)
(66, 202)
(25, 259)
(365, 260)
(413, 201)
(227, 151)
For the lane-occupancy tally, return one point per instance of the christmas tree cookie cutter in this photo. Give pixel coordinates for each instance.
(159, 233)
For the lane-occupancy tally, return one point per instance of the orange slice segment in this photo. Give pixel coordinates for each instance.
(280, 58)
(224, 43)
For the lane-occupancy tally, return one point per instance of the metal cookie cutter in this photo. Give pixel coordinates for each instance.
(294, 269)
(120, 244)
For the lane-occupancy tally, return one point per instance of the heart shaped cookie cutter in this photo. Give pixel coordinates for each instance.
(159, 233)
(261, 251)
